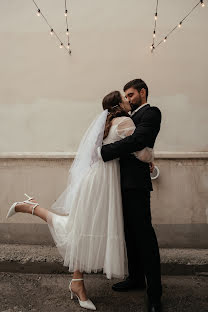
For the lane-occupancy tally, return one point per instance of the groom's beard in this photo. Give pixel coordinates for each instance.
(135, 105)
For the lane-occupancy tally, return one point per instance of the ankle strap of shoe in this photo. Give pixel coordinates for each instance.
(77, 279)
(33, 208)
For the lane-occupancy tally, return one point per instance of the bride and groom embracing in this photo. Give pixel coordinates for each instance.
(102, 220)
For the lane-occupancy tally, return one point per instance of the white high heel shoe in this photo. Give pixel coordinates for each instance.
(12, 211)
(87, 304)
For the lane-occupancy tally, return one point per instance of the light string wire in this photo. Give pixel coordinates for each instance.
(39, 12)
(155, 26)
(153, 47)
(67, 28)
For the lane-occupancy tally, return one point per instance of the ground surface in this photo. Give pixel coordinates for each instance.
(49, 293)
(25, 253)
(46, 259)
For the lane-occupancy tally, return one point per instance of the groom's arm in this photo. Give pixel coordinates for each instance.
(138, 140)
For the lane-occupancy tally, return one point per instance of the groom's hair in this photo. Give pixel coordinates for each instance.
(137, 84)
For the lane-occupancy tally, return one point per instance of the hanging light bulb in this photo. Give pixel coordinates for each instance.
(38, 13)
(67, 32)
(68, 45)
(154, 34)
(180, 24)
(61, 45)
(65, 13)
(165, 39)
(202, 3)
(156, 16)
(52, 32)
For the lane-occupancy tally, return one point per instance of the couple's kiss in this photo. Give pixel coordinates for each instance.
(102, 220)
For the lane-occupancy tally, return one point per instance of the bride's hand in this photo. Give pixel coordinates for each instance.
(145, 155)
(151, 165)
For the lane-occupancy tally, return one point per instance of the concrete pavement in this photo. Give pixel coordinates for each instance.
(25, 286)
(49, 293)
(46, 259)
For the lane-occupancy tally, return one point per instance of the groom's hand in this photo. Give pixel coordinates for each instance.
(151, 165)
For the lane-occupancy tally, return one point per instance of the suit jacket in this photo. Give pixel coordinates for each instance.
(135, 173)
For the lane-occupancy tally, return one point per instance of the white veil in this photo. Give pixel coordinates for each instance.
(86, 157)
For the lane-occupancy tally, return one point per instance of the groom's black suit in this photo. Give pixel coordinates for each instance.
(141, 241)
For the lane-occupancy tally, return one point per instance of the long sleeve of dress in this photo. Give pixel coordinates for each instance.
(125, 128)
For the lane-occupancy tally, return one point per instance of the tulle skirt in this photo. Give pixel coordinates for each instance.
(91, 237)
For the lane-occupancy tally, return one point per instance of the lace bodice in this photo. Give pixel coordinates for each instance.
(123, 127)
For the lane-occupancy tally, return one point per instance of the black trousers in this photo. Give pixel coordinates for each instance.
(141, 241)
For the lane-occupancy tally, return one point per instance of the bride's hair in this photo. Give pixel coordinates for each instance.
(111, 102)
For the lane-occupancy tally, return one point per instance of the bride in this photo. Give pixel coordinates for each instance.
(87, 222)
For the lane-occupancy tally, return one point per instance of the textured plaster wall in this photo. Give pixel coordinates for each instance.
(48, 99)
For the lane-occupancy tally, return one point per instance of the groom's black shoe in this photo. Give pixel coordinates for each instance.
(128, 284)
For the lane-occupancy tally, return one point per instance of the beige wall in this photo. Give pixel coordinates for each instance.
(47, 98)
(178, 203)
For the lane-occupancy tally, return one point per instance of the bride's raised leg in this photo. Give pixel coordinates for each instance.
(38, 211)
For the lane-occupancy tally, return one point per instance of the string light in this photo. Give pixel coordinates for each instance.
(202, 3)
(153, 47)
(52, 32)
(179, 25)
(154, 31)
(67, 28)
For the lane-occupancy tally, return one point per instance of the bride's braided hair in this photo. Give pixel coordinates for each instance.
(111, 102)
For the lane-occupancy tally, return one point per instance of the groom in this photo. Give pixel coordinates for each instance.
(142, 246)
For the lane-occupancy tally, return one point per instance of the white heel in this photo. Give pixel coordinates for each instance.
(12, 211)
(87, 304)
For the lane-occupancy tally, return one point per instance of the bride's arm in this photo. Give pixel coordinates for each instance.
(125, 128)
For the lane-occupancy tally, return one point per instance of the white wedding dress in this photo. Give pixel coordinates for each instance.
(91, 237)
